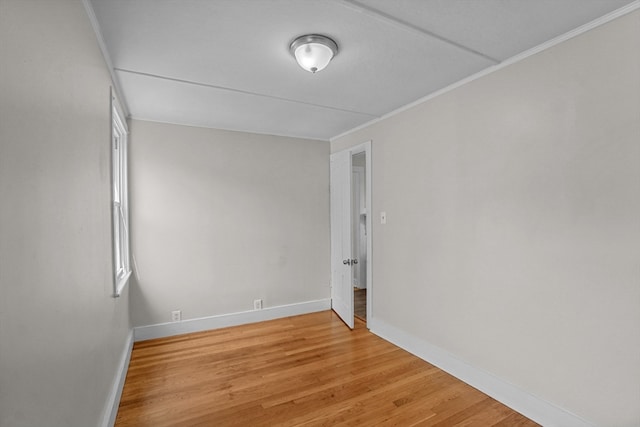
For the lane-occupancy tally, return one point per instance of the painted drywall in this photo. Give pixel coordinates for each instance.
(62, 334)
(513, 223)
(222, 218)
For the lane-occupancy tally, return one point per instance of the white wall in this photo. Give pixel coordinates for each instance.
(513, 223)
(221, 218)
(62, 334)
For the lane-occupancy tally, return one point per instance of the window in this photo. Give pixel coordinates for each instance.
(121, 267)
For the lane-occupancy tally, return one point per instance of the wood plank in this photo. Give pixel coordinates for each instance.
(302, 370)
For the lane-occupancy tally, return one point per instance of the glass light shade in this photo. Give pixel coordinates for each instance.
(313, 52)
(313, 57)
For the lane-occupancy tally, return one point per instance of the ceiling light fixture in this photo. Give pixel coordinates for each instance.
(313, 51)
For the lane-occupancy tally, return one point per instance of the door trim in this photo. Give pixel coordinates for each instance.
(365, 147)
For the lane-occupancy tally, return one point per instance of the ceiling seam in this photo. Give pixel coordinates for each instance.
(228, 129)
(228, 89)
(631, 7)
(375, 13)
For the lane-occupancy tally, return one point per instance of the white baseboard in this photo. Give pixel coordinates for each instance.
(531, 406)
(162, 330)
(113, 401)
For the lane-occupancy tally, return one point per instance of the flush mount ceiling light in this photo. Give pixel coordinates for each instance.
(313, 51)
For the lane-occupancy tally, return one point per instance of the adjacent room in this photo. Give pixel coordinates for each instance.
(336, 212)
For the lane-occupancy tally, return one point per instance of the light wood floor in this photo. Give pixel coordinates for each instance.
(306, 370)
(360, 303)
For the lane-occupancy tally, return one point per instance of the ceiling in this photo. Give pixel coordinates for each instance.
(226, 63)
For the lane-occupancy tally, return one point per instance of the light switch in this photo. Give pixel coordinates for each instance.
(383, 217)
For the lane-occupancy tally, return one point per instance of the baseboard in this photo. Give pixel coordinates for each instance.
(162, 330)
(113, 401)
(531, 406)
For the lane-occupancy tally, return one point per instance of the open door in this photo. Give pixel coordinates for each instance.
(341, 259)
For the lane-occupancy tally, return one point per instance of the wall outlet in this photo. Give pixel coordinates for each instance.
(257, 304)
(176, 316)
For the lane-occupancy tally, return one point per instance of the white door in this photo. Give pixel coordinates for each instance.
(341, 259)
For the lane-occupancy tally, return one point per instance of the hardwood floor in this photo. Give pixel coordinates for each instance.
(360, 303)
(306, 370)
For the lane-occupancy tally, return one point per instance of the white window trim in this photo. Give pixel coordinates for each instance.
(119, 198)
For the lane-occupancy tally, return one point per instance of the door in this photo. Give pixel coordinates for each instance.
(341, 259)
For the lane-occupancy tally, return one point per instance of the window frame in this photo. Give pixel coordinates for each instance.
(121, 243)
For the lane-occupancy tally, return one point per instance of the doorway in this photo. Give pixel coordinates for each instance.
(351, 238)
(359, 234)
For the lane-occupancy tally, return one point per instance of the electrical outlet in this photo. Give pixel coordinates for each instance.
(257, 304)
(176, 316)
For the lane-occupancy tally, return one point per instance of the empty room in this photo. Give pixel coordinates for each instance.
(319, 213)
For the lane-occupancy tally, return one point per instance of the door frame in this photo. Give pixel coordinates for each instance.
(365, 147)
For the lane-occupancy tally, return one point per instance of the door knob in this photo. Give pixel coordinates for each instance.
(354, 261)
(346, 261)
